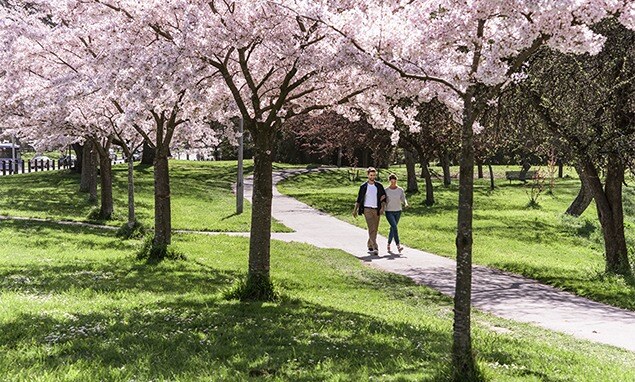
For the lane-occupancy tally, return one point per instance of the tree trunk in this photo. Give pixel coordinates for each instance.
(445, 165)
(88, 182)
(258, 278)
(162, 207)
(148, 154)
(411, 172)
(608, 202)
(479, 166)
(491, 177)
(525, 168)
(131, 213)
(462, 357)
(584, 198)
(79, 154)
(105, 177)
(429, 188)
(365, 158)
(560, 168)
(617, 255)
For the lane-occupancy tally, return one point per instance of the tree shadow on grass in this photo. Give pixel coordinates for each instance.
(184, 339)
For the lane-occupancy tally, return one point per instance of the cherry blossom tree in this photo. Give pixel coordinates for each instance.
(464, 53)
(273, 65)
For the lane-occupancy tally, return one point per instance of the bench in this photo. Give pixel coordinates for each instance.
(519, 175)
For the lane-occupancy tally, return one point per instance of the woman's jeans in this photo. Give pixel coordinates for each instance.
(393, 220)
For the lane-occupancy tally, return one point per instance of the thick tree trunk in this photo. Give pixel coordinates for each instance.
(584, 198)
(411, 173)
(608, 202)
(617, 253)
(479, 166)
(131, 212)
(258, 278)
(162, 207)
(560, 168)
(105, 177)
(88, 182)
(491, 176)
(429, 187)
(462, 357)
(148, 154)
(445, 165)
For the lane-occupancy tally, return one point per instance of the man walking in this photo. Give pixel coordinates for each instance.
(370, 199)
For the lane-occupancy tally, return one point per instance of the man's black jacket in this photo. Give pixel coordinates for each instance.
(361, 195)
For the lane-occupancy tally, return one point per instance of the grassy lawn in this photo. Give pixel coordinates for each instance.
(539, 243)
(200, 192)
(77, 306)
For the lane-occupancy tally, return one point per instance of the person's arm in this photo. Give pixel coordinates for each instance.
(382, 199)
(358, 202)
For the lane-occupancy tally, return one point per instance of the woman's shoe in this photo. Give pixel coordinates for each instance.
(388, 248)
(399, 248)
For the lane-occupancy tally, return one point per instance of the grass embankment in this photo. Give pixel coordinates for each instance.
(77, 306)
(200, 193)
(540, 243)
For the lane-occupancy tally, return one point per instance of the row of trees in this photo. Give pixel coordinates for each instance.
(106, 72)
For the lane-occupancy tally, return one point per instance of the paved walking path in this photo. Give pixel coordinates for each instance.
(503, 294)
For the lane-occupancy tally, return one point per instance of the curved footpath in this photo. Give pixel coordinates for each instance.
(500, 293)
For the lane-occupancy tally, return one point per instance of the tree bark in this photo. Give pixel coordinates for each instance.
(608, 201)
(584, 198)
(462, 357)
(491, 177)
(88, 182)
(258, 278)
(429, 187)
(411, 173)
(148, 154)
(131, 212)
(79, 154)
(162, 206)
(445, 165)
(105, 176)
(479, 166)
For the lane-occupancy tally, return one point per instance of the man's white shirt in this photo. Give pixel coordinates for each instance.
(371, 196)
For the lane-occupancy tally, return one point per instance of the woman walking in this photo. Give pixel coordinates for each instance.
(395, 197)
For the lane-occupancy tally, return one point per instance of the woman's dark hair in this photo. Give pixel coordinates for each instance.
(392, 176)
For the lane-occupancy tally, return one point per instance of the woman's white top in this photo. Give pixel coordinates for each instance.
(394, 198)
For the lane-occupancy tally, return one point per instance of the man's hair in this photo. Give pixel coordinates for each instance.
(370, 169)
(392, 176)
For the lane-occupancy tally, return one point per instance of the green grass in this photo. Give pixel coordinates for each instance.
(201, 196)
(541, 243)
(77, 306)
